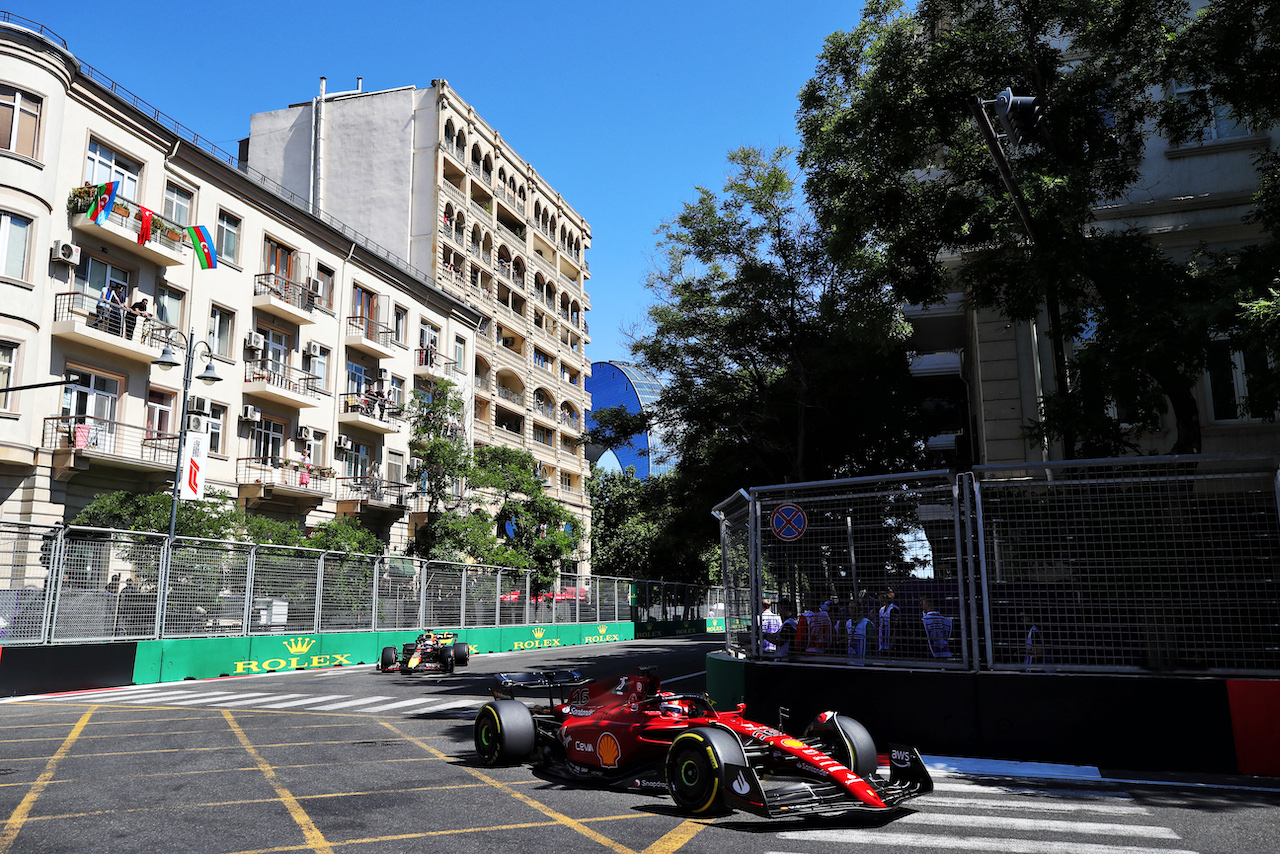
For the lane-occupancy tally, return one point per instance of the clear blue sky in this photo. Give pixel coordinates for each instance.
(623, 107)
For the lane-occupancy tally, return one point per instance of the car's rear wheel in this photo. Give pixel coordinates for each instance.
(846, 741)
(504, 732)
(461, 653)
(388, 660)
(694, 766)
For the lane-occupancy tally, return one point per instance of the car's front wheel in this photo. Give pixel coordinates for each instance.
(388, 660)
(694, 772)
(504, 732)
(846, 741)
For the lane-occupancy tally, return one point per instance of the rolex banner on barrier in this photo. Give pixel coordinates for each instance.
(194, 456)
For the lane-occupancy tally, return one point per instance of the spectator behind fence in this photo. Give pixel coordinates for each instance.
(786, 635)
(937, 628)
(887, 628)
(860, 628)
(770, 624)
(813, 629)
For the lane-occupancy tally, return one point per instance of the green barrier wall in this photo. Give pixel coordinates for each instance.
(203, 658)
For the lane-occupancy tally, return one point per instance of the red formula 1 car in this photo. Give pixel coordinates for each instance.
(627, 733)
(432, 652)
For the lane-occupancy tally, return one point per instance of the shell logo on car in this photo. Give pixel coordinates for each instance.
(609, 750)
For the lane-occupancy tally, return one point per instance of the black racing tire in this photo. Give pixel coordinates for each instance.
(695, 769)
(505, 733)
(388, 661)
(461, 653)
(446, 659)
(847, 742)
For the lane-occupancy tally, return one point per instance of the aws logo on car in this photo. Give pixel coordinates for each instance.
(538, 642)
(602, 637)
(297, 659)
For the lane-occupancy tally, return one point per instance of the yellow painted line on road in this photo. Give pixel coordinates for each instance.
(315, 839)
(555, 815)
(425, 834)
(23, 810)
(205, 771)
(675, 839)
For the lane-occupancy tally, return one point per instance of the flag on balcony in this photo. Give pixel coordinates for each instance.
(104, 197)
(203, 244)
(144, 230)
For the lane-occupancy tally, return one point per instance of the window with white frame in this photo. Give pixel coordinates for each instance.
(177, 205)
(8, 357)
(325, 277)
(159, 413)
(1228, 374)
(268, 440)
(1222, 126)
(227, 238)
(221, 330)
(19, 121)
(14, 231)
(94, 276)
(318, 366)
(460, 354)
(217, 420)
(169, 306)
(319, 448)
(396, 392)
(395, 466)
(402, 325)
(103, 166)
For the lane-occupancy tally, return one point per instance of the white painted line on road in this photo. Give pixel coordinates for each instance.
(319, 698)
(161, 695)
(477, 702)
(224, 696)
(389, 706)
(1038, 825)
(985, 844)
(1037, 805)
(348, 703)
(258, 698)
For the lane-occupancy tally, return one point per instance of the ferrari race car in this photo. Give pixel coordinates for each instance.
(432, 652)
(626, 733)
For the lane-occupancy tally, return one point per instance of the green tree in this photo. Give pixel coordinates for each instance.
(441, 462)
(895, 163)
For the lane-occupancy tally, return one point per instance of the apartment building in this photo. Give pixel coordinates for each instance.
(420, 172)
(316, 333)
(987, 373)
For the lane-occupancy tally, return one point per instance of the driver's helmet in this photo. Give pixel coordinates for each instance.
(671, 707)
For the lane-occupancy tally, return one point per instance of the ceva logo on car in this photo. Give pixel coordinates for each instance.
(296, 646)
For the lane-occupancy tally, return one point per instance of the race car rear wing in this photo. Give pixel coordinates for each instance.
(555, 681)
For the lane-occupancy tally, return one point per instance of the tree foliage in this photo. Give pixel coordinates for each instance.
(895, 162)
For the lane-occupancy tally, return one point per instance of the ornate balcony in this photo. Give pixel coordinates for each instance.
(274, 294)
(377, 415)
(280, 382)
(79, 441)
(370, 336)
(122, 227)
(121, 332)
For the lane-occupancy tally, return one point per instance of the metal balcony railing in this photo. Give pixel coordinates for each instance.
(372, 406)
(429, 357)
(511, 396)
(281, 472)
(569, 419)
(110, 438)
(371, 330)
(296, 294)
(128, 215)
(125, 322)
(504, 268)
(374, 489)
(282, 376)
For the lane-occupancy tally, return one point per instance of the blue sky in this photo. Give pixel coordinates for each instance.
(623, 107)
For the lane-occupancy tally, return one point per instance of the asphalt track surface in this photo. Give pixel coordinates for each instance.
(350, 760)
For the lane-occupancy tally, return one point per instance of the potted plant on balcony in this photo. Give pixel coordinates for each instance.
(81, 199)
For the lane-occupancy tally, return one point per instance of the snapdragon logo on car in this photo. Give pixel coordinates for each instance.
(538, 641)
(297, 659)
(602, 637)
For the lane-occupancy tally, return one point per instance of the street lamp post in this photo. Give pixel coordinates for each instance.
(167, 361)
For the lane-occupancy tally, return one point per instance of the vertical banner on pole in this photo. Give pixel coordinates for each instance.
(194, 456)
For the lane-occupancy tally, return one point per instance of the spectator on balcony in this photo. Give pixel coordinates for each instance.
(118, 308)
(102, 312)
(304, 468)
(138, 309)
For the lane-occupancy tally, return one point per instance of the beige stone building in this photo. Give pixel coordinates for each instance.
(318, 331)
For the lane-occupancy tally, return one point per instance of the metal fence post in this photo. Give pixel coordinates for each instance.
(53, 585)
(248, 589)
(982, 572)
(162, 586)
(378, 563)
(424, 580)
(319, 603)
(462, 600)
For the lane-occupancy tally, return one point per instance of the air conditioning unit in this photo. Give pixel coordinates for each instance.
(199, 406)
(314, 349)
(343, 444)
(197, 424)
(382, 374)
(305, 434)
(250, 413)
(314, 285)
(255, 341)
(64, 252)
(419, 462)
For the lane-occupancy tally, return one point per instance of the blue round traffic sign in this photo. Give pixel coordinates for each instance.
(788, 522)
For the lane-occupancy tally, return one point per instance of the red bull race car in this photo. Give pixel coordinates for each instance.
(432, 652)
(627, 733)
